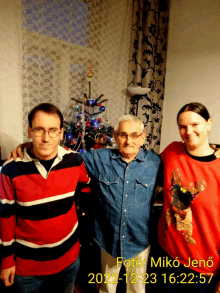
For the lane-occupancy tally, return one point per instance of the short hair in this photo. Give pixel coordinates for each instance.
(197, 108)
(47, 108)
(131, 118)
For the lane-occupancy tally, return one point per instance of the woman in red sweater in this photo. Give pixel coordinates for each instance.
(189, 228)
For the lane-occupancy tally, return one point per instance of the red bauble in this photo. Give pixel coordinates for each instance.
(99, 104)
(99, 119)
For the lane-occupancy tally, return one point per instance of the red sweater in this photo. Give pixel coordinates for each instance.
(191, 232)
(38, 219)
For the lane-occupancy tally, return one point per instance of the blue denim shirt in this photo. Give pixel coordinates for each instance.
(124, 194)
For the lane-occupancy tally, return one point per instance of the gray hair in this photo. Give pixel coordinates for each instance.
(131, 118)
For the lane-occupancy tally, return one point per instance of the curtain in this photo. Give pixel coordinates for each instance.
(59, 39)
(147, 65)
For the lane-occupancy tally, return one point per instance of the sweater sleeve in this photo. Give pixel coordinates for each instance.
(83, 177)
(7, 220)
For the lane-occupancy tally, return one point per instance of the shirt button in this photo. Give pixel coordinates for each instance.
(124, 210)
(146, 184)
(127, 181)
(123, 236)
(123, 223)
(126, 195)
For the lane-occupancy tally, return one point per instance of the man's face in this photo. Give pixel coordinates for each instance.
(128, 146)
(45, 147)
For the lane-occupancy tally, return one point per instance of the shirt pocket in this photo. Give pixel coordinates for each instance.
(144, 190)
(109, 187)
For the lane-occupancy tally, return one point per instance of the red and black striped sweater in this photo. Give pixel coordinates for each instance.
(38, 219)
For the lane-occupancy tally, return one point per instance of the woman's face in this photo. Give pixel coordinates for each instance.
(194, 129)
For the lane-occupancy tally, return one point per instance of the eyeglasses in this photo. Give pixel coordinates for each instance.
(124, 135)
(53, 132)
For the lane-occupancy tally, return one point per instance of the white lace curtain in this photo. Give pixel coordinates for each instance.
(59, 39)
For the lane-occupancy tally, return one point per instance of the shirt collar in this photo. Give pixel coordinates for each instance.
(139, 156)
(28, 157)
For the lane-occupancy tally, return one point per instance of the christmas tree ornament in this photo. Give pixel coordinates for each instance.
(91, 102)
(99, 119)
(73, 141)
(102, 109)
(100, 141)
(90, 75)
(109, 129)
(94, 123)
(99, 104)
(82, 151)
(69, 136)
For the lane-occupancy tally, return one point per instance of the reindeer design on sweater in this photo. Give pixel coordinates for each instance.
(180, 213)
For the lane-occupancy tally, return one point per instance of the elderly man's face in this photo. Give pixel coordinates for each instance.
(129, 138)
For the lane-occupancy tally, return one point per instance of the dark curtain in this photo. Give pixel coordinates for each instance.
(147, 65)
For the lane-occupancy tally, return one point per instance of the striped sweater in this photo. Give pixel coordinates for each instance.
(38, 220)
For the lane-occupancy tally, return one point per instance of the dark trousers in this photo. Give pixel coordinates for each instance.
(62, 282)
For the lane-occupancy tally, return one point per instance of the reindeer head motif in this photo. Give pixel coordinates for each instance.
(182, 196)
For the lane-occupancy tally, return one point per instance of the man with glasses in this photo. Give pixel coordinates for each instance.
(38, 237)
(124, 181)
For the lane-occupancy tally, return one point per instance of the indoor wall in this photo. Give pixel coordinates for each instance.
(193, 62)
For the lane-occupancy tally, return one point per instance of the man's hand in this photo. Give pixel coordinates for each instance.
(7, 276)
(18, 152)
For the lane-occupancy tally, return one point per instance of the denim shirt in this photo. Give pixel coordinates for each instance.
(123, 195)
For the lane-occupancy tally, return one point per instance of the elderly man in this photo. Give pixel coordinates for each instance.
(124, 181)
(38, 237)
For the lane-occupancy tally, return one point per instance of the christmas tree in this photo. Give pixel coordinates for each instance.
(86, 124)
